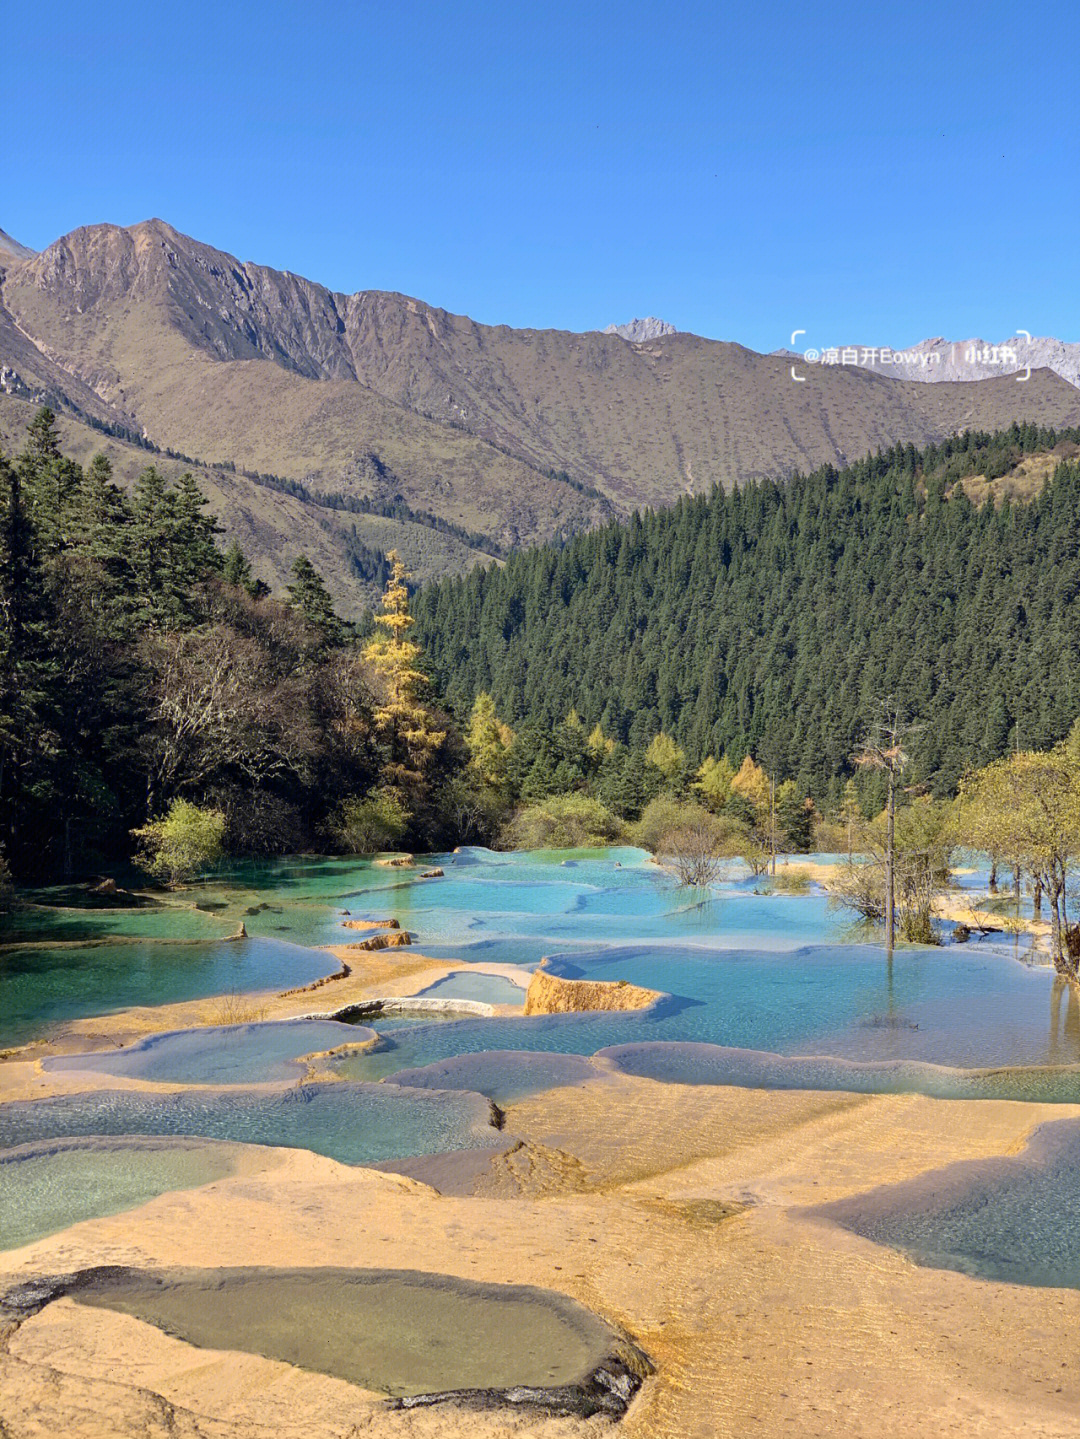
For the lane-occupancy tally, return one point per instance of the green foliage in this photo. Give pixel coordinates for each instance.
(6, 892)
(659, 817)
(570, 821)
(308, 594)
(689, 837)
(183, 843)
(1025, 809)
(665, 756)
(139, 665)
(376, 822)
(790, 881)
(766, 620)
(794, 819)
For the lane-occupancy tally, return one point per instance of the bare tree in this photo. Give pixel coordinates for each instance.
(221, 708)
(698, 845)
(883, 748)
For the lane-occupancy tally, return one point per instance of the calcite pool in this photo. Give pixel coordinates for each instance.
(401, 1333)
(759, 989)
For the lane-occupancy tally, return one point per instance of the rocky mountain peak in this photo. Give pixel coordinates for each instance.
(637, 331)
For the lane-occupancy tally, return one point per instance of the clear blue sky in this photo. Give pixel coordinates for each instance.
(867, 172)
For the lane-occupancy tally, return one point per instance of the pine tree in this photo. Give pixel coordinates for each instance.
(488, 741)
(31, 678)
(309, 595)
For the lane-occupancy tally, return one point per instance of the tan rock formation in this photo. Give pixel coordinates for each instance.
(393, 939)
(547, 994)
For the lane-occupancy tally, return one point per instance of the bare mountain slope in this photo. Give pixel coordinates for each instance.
(238, 363)
(519, 435)
(11, 250)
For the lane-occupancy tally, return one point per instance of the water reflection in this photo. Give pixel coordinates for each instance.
(1064, 1047)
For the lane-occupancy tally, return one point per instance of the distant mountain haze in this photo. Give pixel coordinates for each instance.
(473, 439)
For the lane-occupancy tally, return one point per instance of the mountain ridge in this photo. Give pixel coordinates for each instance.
(518, 436)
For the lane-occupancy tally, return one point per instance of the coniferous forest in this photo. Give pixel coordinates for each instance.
(771, 620)
(145, 672)
(154, 694)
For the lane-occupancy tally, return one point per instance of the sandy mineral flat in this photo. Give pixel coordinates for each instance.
(666, 1209)
(669, 1210)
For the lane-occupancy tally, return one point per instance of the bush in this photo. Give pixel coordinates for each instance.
(568, 821)
(791, 881)
(376, 822)
(695, 840)
(659, 817)
(181, 844)
(472, 810)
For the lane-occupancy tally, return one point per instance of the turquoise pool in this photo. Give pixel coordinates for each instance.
(43, 987)
(742, 972)
(49, 1186)
(353, 1123)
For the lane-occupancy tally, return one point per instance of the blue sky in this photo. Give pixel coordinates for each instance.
(865, 172)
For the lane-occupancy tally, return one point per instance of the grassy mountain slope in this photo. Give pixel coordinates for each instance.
(273, 527)
(645, 423)
(235, 363)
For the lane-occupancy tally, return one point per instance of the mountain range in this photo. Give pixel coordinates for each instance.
(330, 423)
(936, 360)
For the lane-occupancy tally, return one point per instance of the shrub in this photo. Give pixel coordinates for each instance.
(791, 881)
(659, 817)
(472, 810)
(690, 836)
(182, 843)
(567, 821)
(365, 826)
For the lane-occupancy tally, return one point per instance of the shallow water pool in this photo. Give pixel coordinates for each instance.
(485, 988)
(227, 1054)
(42, 987)
(397, 1332)
(50, 1185)
(353, 1123)
(1015, 1219)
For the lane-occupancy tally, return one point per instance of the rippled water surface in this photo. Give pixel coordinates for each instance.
(1015, 1219)
(353, 1123)
(49, 1186)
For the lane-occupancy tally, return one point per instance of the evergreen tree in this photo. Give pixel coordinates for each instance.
(309, 595)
